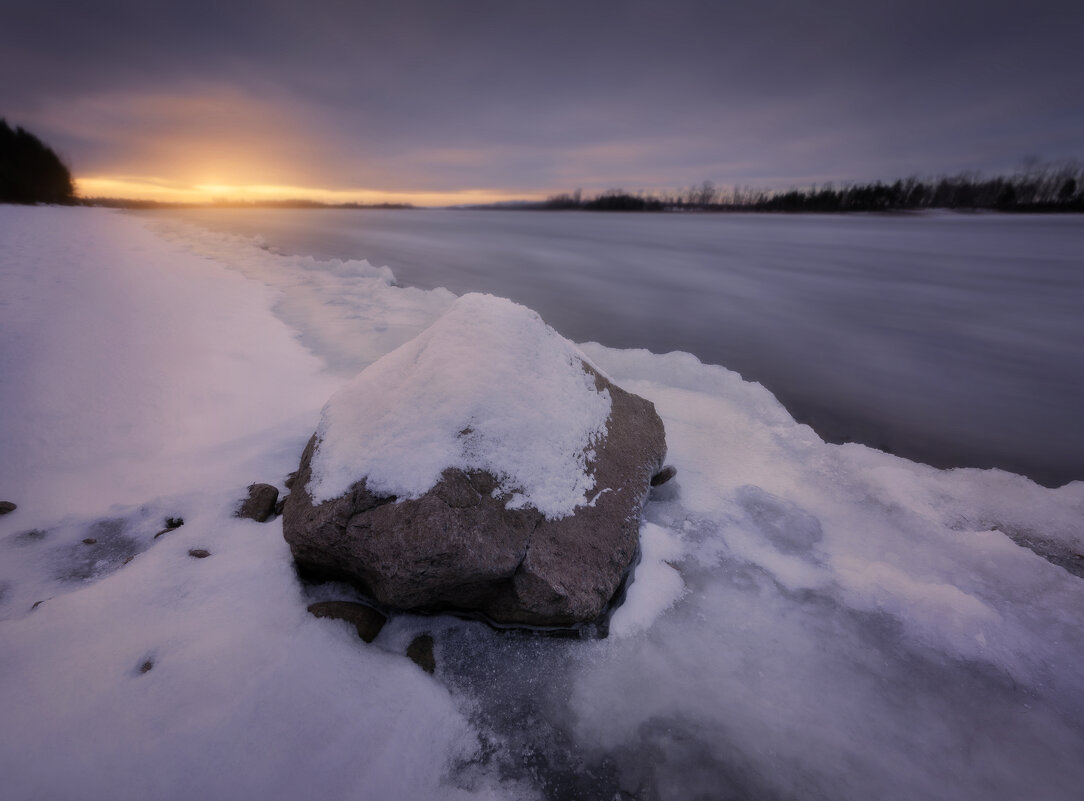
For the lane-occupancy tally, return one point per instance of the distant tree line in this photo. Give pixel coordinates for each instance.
(1048, 188)
(30, 172)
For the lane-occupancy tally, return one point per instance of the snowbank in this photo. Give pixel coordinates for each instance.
(131, 369)
(139, 381)
(808, 620)
(489, 386)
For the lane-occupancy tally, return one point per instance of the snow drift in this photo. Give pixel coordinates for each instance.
(809, 621)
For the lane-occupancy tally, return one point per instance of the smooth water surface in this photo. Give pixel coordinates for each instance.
(952, 339)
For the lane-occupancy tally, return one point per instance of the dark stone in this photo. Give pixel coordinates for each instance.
(457, 548)
(171, 524)
(365, 619)
(146, 666)
(199, 553)
(38, 603)
(281, 504)
(664, 475)
(6, 507)
(420, 652)
(90, 541)
(290, 479)
(260, 503)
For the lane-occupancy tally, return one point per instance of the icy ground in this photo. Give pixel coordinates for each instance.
(808, 621)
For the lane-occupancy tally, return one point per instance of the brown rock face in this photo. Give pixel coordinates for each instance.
(457, 548)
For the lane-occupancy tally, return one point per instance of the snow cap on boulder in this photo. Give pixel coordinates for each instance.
(489, 386)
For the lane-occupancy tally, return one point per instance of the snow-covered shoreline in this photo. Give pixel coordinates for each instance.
(809, 620)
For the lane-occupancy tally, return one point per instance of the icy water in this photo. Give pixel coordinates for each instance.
(950, 339)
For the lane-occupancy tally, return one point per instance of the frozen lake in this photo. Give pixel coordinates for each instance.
(950, 339)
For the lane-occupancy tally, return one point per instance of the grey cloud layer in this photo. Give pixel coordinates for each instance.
(533, 95)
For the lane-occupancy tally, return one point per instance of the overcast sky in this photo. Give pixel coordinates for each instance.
(504, 99)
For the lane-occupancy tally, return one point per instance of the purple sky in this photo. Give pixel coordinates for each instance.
(460, 99)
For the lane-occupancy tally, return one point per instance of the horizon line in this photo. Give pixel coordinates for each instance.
(153, 190)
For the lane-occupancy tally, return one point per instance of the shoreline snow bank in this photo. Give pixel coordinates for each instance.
(809, 620)
(131, 369)
(349, 312)
(139, 380)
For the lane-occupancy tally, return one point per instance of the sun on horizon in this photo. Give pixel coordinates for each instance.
(139, 188)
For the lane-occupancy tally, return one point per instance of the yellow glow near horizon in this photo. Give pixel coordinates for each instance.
(139, 188)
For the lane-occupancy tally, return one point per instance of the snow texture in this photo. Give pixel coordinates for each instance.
(488, 386)
(807, 621)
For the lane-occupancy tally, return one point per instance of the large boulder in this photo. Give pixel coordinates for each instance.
(484, 467)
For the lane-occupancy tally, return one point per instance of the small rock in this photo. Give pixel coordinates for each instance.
(290, 479)
(664, 475)
(260, 503)
(199, 553)
(90, 541)
(146, 666)
(171, 523)
(7, 506)
(128, 559)
(39, 603)
(420, 652)
(366, 620)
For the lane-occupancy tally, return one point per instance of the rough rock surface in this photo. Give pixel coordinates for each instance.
(6, 507)
(260, 503)
(458, 548)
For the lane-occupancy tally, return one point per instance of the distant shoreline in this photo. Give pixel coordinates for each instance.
(157, 205)
(1077, 209)
(146, 205)
(1046, 189)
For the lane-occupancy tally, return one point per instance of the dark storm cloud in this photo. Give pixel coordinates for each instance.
(445, 95)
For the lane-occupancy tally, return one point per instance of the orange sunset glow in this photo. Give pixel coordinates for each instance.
(164, 191)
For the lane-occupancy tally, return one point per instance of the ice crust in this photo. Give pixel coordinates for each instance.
(807, 620)
(488, 386)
